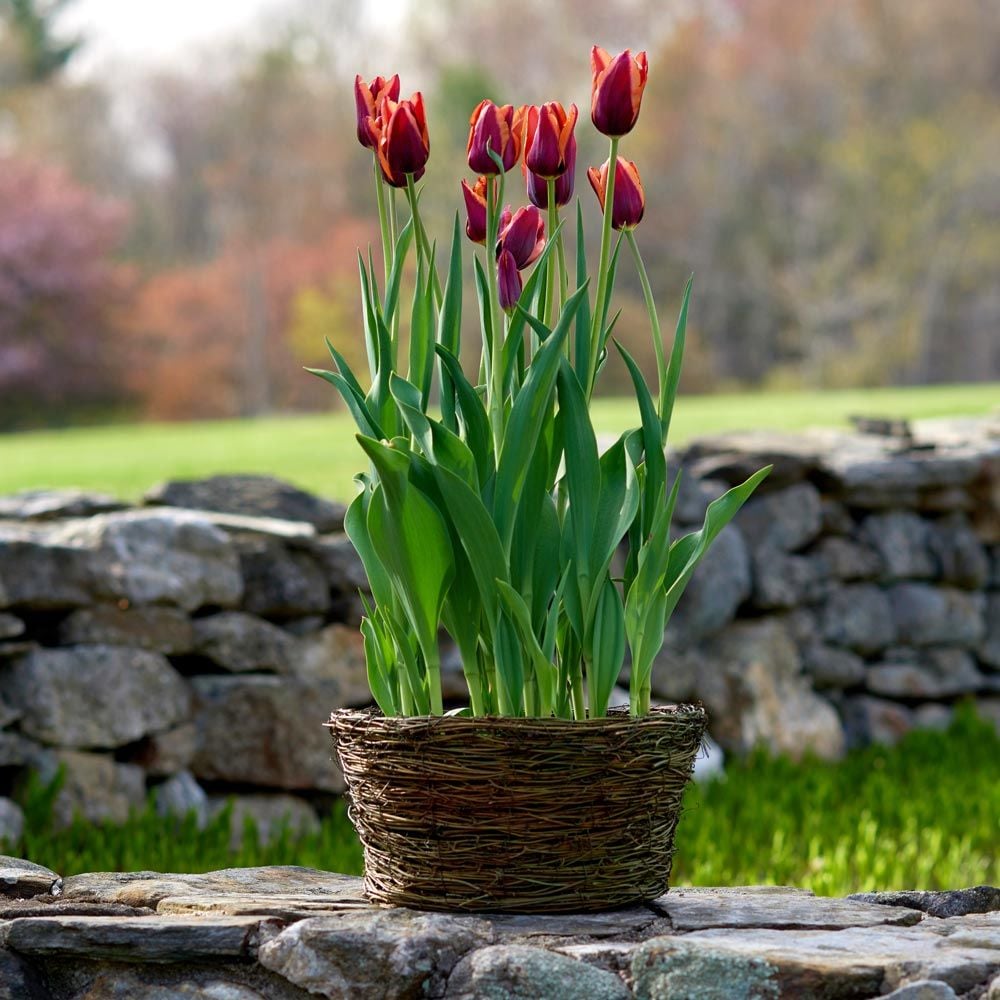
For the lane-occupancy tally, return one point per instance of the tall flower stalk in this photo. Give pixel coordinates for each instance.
(488, 513)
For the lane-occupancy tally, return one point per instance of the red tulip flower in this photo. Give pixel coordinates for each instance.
(368, 99)
(475, 210)
(402, 141)
(499, 129)
(538, 187)
(617, 90)
(547, 135)
(629, 198)
(521, 240)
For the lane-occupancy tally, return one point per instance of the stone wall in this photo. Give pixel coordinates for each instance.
(291, 933)
(195, 644)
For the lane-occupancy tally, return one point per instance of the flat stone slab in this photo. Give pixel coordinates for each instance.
(290, 932)
(133, 939)
(20, 879)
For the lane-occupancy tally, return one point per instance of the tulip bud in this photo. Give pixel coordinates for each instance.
(508, 281)
(403, 144)
(548, 132)
(368, 99)
(522, 235)
(629, 198)
(617, 90)
(496, 129)
(538, 188)
(475, 210)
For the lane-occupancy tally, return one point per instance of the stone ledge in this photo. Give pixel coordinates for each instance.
(290, 932)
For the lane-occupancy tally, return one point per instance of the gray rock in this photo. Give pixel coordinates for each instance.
(149, 888)
(520, 972)
(38, 572)
(961, 557)
(858, 617)
(18, 981)
(20, 879)
(923, 989)
(784, 581)
(11, 822)
(734, 457)
(180, 796)
(755, 694)
(786, 520)
(252, 495)
(17, 750)
(267, 731)
(340, 562)
(47, 505)
(693, 495)
(288, 906)
(243, 643)
(269, 814)
(836, 518)
(8, 713)
(993, 990)
(133, 939)
(989, 649)
(951, 903)
(699, 909)
(95, 696)
(163, 754)
(989, 710)
(374, 955)
(159, 629)
(875, 720)
(159, 556)
(938, 673)
(993, 552)
(719, 585)
(937, 616)
(832, 667)
(847, 560)
(535, 927)
(932, 716)
(93, 787)
(675, 672)
(903, 541)
(165, 982)
(280, 583)
(10, 626)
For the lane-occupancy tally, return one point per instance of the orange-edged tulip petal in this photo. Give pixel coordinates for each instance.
(475, 210)
(617, 89)
(538, 188)
(403, 144)
(522, 235)
(367, 101)
(629, 197)
(496, 129)
(548, 131)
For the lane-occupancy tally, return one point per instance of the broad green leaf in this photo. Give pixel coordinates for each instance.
(356, 527)
(363, 417)
(485, 314)
(344, 368)
(607, 647)
(380, 668)
(474, 416)
(546, 675)
(510, 667)
(396, 274)
(449, 330)
(669, 383)
(422, 336)
(581, 349)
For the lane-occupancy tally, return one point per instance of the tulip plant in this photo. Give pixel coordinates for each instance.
(488, 512)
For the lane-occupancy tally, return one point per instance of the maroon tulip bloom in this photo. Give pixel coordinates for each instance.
(509, 283)
(403, 144)
(538, 188)
(521, 240)
(475, 210)
(368, 99)
(499, 129)
(617, 90)
(547, 135)
(629, 198)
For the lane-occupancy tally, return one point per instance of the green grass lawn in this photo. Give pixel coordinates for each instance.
(319, 452)
(920, 815)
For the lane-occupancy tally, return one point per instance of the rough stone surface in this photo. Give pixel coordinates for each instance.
(953, 903)
(16, 750)
(18, 981)
(786, 581)
(267, 813)
(40, 571)
(989, 649)
(923, 989)
(49, 505)
(94, 696)
(929, 616)
(876, 720)
(10, 626)
(903, 541)
(251, 495)
(521, 972)
(163, 754)
(848, 560)
(180, 796)
(755, 693)
(373, 956)
(859, 617)
(266, 731)
(961, 557)
(160, 629)
(340, 562)
(280, 583)
(786, 520)
(11, 821)
(20, 879)
(94, 786)
(831, 667)
(937, 673)
(242, 643)
(334, 655)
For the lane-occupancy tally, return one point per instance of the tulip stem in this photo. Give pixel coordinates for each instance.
(550, 263)
(597, 323)
(563, 274)
(654, 320)
(383, 223)
(496, 341)
(423, 243)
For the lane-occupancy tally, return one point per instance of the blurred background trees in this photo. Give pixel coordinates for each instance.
(176, 241)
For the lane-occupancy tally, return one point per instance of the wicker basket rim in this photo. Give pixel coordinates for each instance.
(616, 719)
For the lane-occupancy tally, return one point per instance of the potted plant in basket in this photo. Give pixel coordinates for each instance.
(488, 512)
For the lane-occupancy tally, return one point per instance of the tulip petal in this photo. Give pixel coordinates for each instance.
(508, 281)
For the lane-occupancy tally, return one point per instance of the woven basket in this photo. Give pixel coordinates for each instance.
(517, 815)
